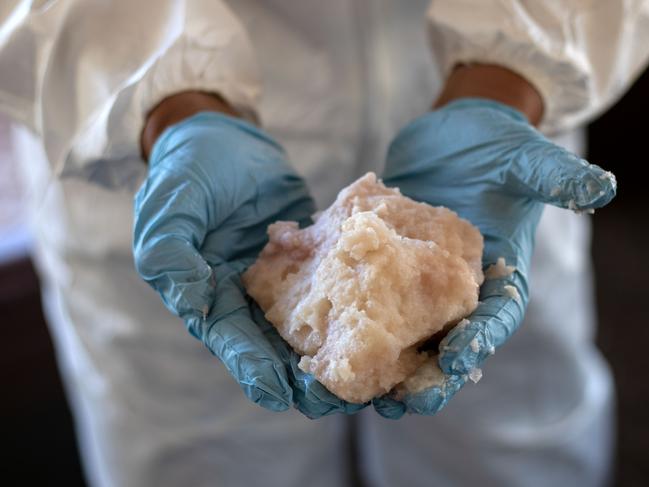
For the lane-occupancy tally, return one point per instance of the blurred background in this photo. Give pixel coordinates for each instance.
(37, 427)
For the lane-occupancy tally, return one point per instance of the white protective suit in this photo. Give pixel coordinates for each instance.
(152, 406)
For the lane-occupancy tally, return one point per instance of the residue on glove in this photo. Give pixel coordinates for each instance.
(499, 270)
(475, 375)
(426, 376)
(512, 292)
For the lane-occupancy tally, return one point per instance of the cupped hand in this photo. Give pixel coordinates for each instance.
(214, 184)
(484, 160)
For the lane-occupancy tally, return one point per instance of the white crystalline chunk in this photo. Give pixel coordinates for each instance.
(463, 323)
(475, 375)
(512, 292)
(362, 288)
(499, 270)
(426, 376)
(475, 346)
(304, 363)
(341, 370)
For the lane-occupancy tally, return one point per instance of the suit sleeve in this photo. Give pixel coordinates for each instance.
(582, 55)
(83, 74)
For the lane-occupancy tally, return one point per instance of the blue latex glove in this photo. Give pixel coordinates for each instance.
(483, 160)
(214, 184)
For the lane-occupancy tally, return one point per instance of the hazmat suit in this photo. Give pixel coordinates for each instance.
(340, 78)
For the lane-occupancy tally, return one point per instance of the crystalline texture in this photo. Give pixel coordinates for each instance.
(359, 291)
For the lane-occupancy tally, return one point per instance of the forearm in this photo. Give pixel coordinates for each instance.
(177, 107)
(495, 83)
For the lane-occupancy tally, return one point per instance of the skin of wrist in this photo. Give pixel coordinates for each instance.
(176, 108)
(495, 83)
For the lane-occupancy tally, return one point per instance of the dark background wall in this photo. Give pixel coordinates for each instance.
(619, 141)
(37, 435)
(37, 429)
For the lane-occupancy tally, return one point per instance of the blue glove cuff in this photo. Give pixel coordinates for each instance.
(477, 103)
(186, 127)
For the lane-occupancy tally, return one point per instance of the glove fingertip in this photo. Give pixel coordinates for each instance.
(267, 400)
(497, 316)
(389, 408)
(314, 400)
(427, 403)
(457, 363)
(431, 401)
(275, 396)
(460, 350)
(278, 391)
(253, 364)
(353, 408)
(591, 188)
(597, 187)
(553, 175)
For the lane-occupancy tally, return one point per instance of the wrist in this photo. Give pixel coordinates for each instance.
(495, 83)
(176, 108)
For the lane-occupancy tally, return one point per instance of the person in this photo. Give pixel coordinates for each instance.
(100, 86)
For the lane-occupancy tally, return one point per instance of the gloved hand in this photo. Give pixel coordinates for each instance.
(483, 160)
(214, 184)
